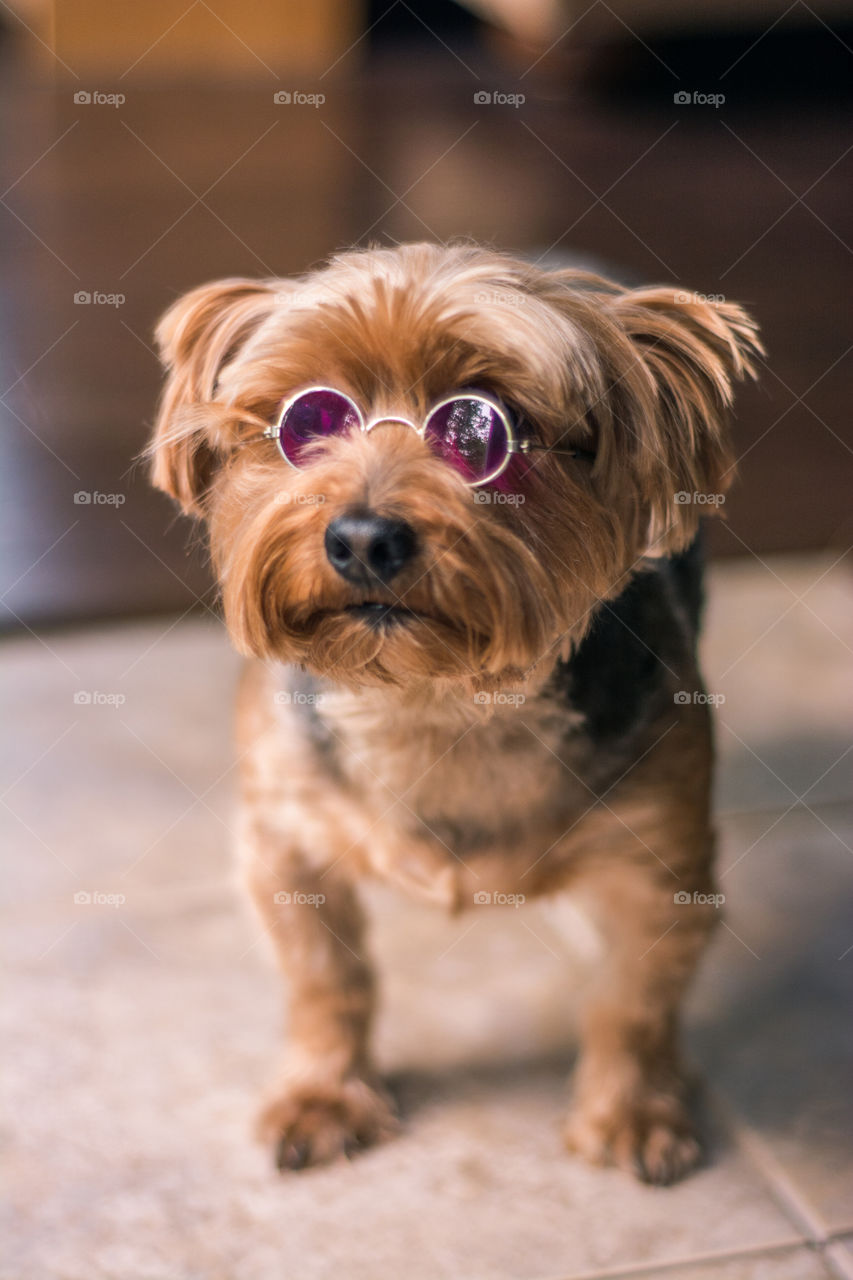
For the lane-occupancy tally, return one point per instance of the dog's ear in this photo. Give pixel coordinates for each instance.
(196, 337)
(687, 351)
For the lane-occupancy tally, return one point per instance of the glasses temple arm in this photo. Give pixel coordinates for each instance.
(533, 446)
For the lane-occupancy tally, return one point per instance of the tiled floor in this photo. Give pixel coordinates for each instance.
(140, 1033)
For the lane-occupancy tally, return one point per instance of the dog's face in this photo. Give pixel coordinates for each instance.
(375, 561)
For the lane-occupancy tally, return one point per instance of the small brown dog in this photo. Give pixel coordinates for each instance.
(452, 502)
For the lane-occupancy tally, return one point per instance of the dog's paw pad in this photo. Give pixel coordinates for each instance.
(311, 1126)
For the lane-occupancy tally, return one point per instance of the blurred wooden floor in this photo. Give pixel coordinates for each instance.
(181, 184)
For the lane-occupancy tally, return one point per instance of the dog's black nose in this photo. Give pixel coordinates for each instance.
(366, 548)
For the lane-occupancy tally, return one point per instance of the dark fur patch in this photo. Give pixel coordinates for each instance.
(622, 673)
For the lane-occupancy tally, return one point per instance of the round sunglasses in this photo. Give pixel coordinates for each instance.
(469, 430)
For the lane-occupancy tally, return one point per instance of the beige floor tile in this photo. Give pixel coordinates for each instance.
(123, 771)
(131, 1095)
(778, 649)
(772, 1009)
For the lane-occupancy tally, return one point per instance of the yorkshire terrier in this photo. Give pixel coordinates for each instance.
(453, 503)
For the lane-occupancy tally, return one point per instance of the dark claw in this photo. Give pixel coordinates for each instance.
(291, 1155)
(666, 1171)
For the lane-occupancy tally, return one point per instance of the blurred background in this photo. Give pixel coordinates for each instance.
(148, 148)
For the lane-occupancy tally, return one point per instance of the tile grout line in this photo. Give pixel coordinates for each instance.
(839, 1259)
(790, 1199)
(677, 1265)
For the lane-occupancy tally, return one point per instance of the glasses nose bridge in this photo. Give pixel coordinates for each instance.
(391, 420)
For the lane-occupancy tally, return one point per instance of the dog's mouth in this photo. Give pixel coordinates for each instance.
(378, 614)
(375, 614)
(370, 640)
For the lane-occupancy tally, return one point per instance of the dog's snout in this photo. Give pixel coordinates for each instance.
(366, 548)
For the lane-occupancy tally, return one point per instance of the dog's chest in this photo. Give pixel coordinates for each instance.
(463, 777)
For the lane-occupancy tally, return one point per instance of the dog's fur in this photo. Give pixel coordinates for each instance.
(516, 729)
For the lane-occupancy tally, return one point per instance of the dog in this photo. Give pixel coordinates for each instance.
(453, 504)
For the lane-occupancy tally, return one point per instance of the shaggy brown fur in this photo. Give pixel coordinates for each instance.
(452, 752)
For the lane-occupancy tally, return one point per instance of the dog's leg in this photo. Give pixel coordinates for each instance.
(629, 1103)
(326, 1102)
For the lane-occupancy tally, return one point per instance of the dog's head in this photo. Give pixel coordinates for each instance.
(375, 559)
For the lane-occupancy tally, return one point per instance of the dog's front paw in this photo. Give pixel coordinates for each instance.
(651, 1137)
(309, 1126)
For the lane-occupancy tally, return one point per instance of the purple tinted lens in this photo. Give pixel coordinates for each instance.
(314, 416)
(471, 436)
